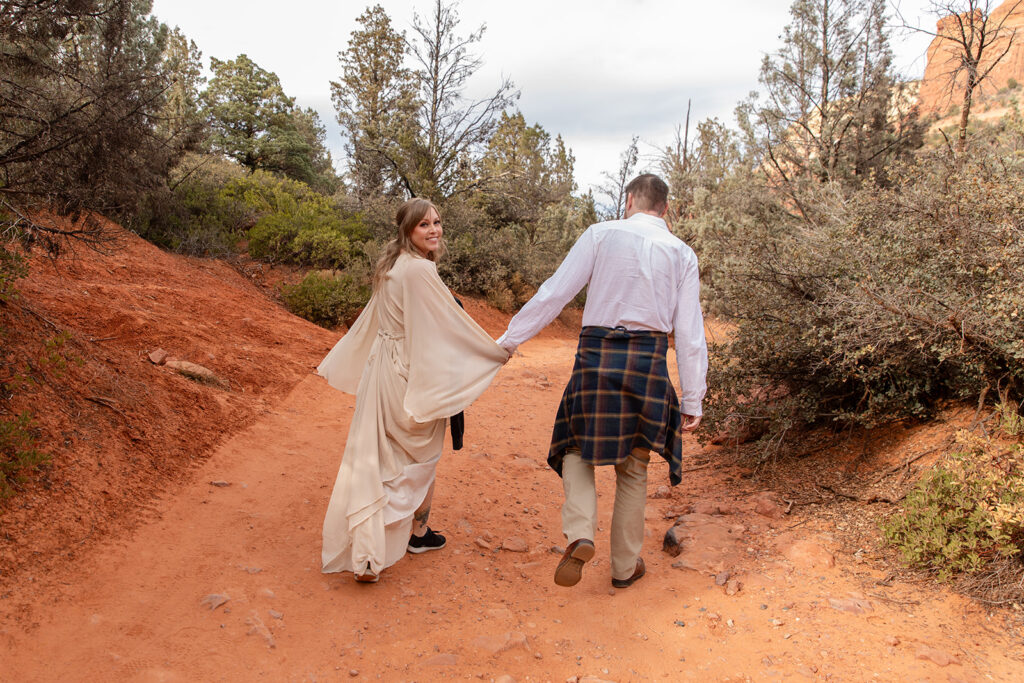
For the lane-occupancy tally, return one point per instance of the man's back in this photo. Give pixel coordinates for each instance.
(638, 268)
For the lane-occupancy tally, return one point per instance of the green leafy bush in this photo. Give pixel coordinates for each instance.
(507, 265)
(194, 215)
(12, 268)
(967, 513)
(328, 298)
(18, 452)
(296, 225)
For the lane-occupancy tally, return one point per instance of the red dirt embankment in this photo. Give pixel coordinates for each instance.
(220, 581)
(119, 428)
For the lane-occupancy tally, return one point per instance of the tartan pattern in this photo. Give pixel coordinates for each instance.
(618, 398)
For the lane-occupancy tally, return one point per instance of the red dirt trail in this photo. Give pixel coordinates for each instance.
(135, 605)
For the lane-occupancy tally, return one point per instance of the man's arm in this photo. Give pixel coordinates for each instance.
(554, 294)
(691, 347)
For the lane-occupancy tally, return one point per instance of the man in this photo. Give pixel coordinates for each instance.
(619, 403)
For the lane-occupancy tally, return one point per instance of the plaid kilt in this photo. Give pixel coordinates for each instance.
(618, 398)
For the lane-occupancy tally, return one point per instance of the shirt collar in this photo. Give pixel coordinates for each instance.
(648, 219)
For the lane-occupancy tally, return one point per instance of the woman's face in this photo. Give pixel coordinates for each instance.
(426, 236)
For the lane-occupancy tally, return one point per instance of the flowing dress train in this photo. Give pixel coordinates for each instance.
(413, 358)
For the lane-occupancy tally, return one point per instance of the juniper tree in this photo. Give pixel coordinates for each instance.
(527, 173)
(376, 104)
(82, 86)
(828, 93)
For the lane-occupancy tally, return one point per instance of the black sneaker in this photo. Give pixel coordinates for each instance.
(428, 541)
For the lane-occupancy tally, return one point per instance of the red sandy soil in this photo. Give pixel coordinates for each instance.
(189, 491)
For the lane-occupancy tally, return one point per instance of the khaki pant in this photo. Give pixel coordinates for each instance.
(579, 513)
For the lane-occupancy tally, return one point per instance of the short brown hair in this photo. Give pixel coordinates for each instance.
(650, 193)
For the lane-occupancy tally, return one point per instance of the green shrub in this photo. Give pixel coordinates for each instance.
(194, 215)
(507, 265)
(866, 306)
(295, 224)
(1012, 83)
(18, 452)
(328, 298)
(967, 513)
(12, 268)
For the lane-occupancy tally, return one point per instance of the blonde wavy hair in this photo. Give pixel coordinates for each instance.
(407, 218)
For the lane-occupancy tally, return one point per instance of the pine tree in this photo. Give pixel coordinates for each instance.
(376, 104)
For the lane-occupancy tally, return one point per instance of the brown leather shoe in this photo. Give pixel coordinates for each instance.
(637, 575)
(570, 567)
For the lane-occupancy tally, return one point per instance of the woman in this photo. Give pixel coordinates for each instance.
(412, 358)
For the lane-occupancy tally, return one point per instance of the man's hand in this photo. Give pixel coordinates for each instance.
(690, 422)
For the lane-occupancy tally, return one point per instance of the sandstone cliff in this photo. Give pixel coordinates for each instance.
(936, 95)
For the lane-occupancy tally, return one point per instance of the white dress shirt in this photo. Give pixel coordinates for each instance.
(641, 277)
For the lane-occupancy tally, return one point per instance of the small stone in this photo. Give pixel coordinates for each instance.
(662, 492)
(275, 614)
(892, 641)
(194, 371)
(733, 586)
(936, 656)
(705, 507)
(158, 357)
(515, 545)
(557, 549)
(850, 605)
(806, 554)
(220, 483)
(730, 623)
(671, 544)
(353, 672)
(444, 659)
(483, 544)
(611, 591)
(680, 623)
(721, 578)
(215, 600)
(765, 504)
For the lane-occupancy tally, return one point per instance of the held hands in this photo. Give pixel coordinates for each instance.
(509, 349)
(690, 422)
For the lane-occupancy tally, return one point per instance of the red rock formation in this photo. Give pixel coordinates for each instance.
(943, 55)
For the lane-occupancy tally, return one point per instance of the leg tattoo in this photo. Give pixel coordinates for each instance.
(420, 516)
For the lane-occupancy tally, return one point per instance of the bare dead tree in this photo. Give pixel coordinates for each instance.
(977, 41)
(675, 167)
(614, 187)
(453, 128)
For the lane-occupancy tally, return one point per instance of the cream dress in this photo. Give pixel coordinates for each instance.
(412, 358)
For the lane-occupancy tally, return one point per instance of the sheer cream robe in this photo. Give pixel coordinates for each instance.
(413, 358)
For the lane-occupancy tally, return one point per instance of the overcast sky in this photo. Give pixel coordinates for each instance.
(595, 71)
